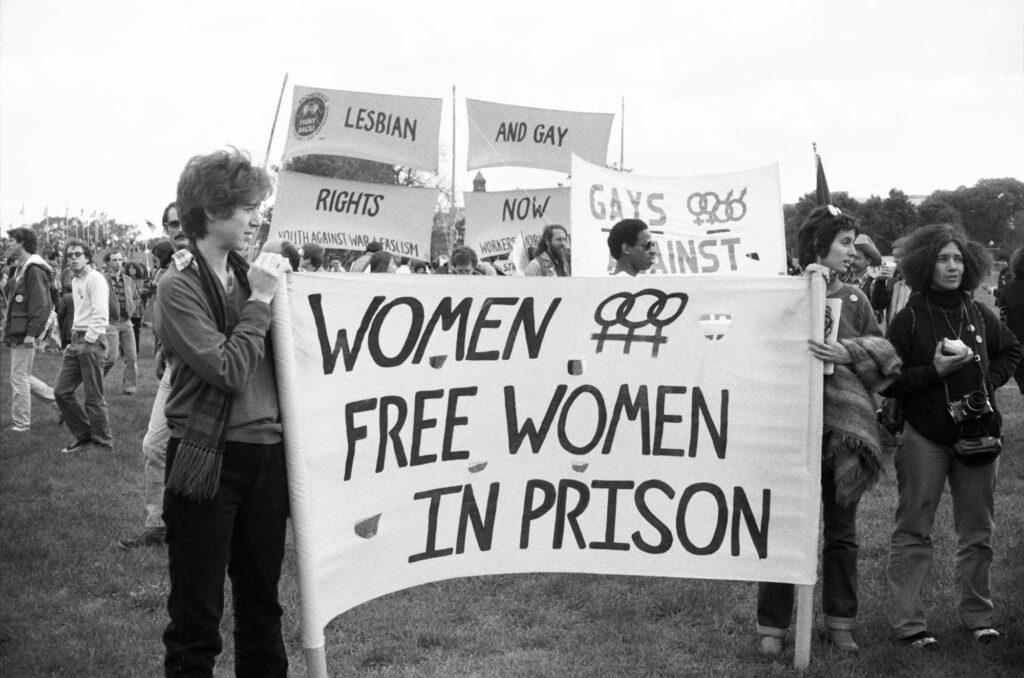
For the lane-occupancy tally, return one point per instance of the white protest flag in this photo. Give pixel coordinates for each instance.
(607, 425)
(520, 255)
(518, 136)
(494, 219)
(349, 214)
(717, 224)
(381, 127)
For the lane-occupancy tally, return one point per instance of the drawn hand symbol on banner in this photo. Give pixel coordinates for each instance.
(709, 208)
(657, 304)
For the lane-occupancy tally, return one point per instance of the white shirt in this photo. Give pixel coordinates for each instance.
(92, 295)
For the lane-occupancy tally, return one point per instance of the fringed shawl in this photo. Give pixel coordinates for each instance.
(850, 425)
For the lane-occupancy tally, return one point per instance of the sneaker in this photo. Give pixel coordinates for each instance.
(77, 446)
(984, 635)
(103, 447)
(151, 536)
(922, 640)
(842, 639)
(769, 646)
(19, 429)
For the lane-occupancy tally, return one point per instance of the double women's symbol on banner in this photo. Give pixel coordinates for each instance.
(709, 208)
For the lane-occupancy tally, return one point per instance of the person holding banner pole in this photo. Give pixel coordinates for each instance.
(851, 453)
(226, 498)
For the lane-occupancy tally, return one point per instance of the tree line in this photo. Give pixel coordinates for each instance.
(990, 212)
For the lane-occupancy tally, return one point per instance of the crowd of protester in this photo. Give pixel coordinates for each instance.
(911, 332)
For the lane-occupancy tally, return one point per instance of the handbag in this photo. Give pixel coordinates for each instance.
(977, 450)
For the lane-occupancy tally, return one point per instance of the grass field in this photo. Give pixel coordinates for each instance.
(73, 604)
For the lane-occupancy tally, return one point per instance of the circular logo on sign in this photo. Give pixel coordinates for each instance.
(310, 115)
(19, 298)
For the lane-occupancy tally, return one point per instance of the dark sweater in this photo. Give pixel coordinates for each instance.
(235, 362)
(914, 334)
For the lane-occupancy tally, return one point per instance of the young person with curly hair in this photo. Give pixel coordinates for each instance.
(226, 498)
(955, 354)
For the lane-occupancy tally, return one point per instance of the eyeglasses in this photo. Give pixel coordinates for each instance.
(173, 224)
(74, 255)
(648, 246)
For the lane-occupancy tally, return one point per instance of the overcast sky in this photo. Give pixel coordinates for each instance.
(102, 102)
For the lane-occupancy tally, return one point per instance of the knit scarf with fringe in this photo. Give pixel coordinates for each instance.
(195, 473)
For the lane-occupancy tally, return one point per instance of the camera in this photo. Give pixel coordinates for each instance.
(971, 406)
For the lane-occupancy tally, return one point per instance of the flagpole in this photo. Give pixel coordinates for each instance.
(452, 230)
(280, 98)
(622, 136)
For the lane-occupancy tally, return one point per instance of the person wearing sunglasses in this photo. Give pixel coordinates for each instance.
(630, 245)
(85, 356)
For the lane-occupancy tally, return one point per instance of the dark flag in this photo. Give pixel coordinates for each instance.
(821, 192)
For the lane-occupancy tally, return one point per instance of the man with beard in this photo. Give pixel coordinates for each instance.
(552, 254)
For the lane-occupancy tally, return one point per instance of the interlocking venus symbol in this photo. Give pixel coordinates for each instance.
(714, 210)
(659, 303)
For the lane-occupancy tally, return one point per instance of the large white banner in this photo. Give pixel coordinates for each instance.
(718, 224)
(349, 214)
(494, 219)
(442, 427)
(501, 135)
(381, 127)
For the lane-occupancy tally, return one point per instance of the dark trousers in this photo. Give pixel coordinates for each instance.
(838, 565)
(242, 530)
(137, 329)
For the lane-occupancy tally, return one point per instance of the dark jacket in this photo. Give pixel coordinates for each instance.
(1012, 299)
(29, 300)
(914, 333)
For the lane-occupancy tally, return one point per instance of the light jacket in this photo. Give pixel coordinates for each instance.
(132, 299)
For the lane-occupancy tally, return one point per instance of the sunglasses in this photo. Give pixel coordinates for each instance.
(74, 255)
(647, 246)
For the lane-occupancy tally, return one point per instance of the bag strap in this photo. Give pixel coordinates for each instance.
(974, 345)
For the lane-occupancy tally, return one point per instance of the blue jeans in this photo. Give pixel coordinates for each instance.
(922, 469)
(82, 363)
(121, 337)
(241, 529)
(154, 454)
(22, 357)
(838, 575)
